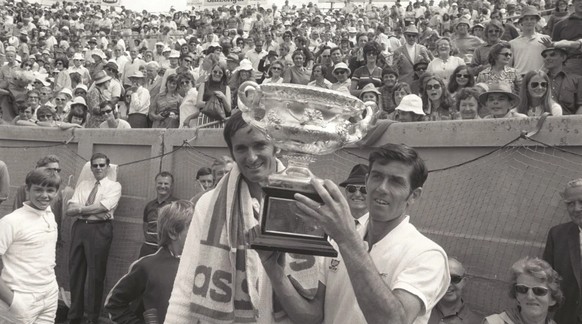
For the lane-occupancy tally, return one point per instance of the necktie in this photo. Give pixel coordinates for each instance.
(357, 223)
(92, 194)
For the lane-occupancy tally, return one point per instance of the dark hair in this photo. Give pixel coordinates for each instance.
(46, 110)
(99, 156)
(43, 177)
(371, 47)
(77, 111)
(233, 124)
(46, 160)
(223, 79)
(204, 171)
(400, 86)
(165, 174)
(453, 85)
(64, 60)
(495, 50)
(446, 100)
(404, 154)
(389, 70)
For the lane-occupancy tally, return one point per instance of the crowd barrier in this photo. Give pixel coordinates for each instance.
(491, 196)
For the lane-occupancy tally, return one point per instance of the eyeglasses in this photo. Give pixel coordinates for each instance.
(98, 165)
(54, 169)
(538, 291)
(410, 35)
(353, 189)
(542, 84)
(60, 99)
(217, 72)
(462, 76)
(506, 54)
(550, 54)
(45, 93)
(185, 82)
(188, 61)
(433, 86)
(455, 279)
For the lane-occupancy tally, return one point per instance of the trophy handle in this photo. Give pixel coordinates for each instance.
(364, 124)
(249, 104)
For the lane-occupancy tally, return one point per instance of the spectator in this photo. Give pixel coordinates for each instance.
(150, 279)
(164, 196)
(566, 87)
(115, 89)
(343, 84)
(241, 74)
(499, 100)
(409, 109)
(400, 90)
(499, 72)
(419, 71)
(97, 94)
(527, 48)
(389, 81)
(297, 74)
(112, 117)
(28, 251)
(276, 71)
(24, 115)
(444, 65)
(536, 96)
(567, 35)
(205, 178)
(139, 105)
(452, 308)
(79, 68)
(561, 252)
(369, 73)
(318, 79)
(221, 167)
(356, 195)
(461, 78)
(265, 65)
(165, 108)
(93, 203)
(410, 53)
(535, 287)
(62, 78)
(77, 115)
(464, 42)
(80, 91)
(468, 105)
(62, 104)
(436, 100)
(216, 88)
(560, 13)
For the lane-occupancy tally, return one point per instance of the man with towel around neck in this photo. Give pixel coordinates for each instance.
(220, 279)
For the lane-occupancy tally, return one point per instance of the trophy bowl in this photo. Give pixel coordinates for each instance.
(304, 121)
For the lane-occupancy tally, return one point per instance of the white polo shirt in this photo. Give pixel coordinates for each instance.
(405, 259)
(28, 239)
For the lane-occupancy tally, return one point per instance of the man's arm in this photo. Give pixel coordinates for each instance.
(298, 308)
(6, 294)
(75, 209)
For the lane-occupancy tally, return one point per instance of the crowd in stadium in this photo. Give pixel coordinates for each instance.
(75, 64)
(83, 65)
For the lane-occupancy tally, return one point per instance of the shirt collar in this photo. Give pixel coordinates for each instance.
(26, 205)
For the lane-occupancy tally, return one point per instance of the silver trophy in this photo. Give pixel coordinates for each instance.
(303, 121)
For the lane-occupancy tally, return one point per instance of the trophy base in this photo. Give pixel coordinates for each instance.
(288, 244)
(284, 229)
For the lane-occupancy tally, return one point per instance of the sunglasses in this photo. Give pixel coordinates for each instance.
(466, 76)
(506, 54)
(542, 84)
(410, 35)
(353, 189)
(538, 291)
(217, 72)
(185, 82)
(98, 165)
(455, 279)
(431, 86)
(54, 169)
(59, 99)
(188, 61)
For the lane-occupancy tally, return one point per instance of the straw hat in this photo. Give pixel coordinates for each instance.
(101, 77)
(500, 88)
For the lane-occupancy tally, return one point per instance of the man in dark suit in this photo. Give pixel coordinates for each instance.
(562, 252)
(409, 54)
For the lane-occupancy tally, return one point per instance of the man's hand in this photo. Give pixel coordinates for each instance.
(333, 215)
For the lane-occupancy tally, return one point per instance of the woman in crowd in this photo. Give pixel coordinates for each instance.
(62, 78)
(500, 71)
(77, 115)
(276, 71)
(297, 74)
(536, 96)
(461, 78)
(111, 115)
(137, 115)
(535, 288)
(318, 79)
(436, 100)
(62, 104)
(370, 72)
(244, 72)
(96, 95)
(216, 88)
(467, 103)
(80, 91)
(444, 65)
(165, 108)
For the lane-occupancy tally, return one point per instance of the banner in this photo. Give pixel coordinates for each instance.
(226, 3)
